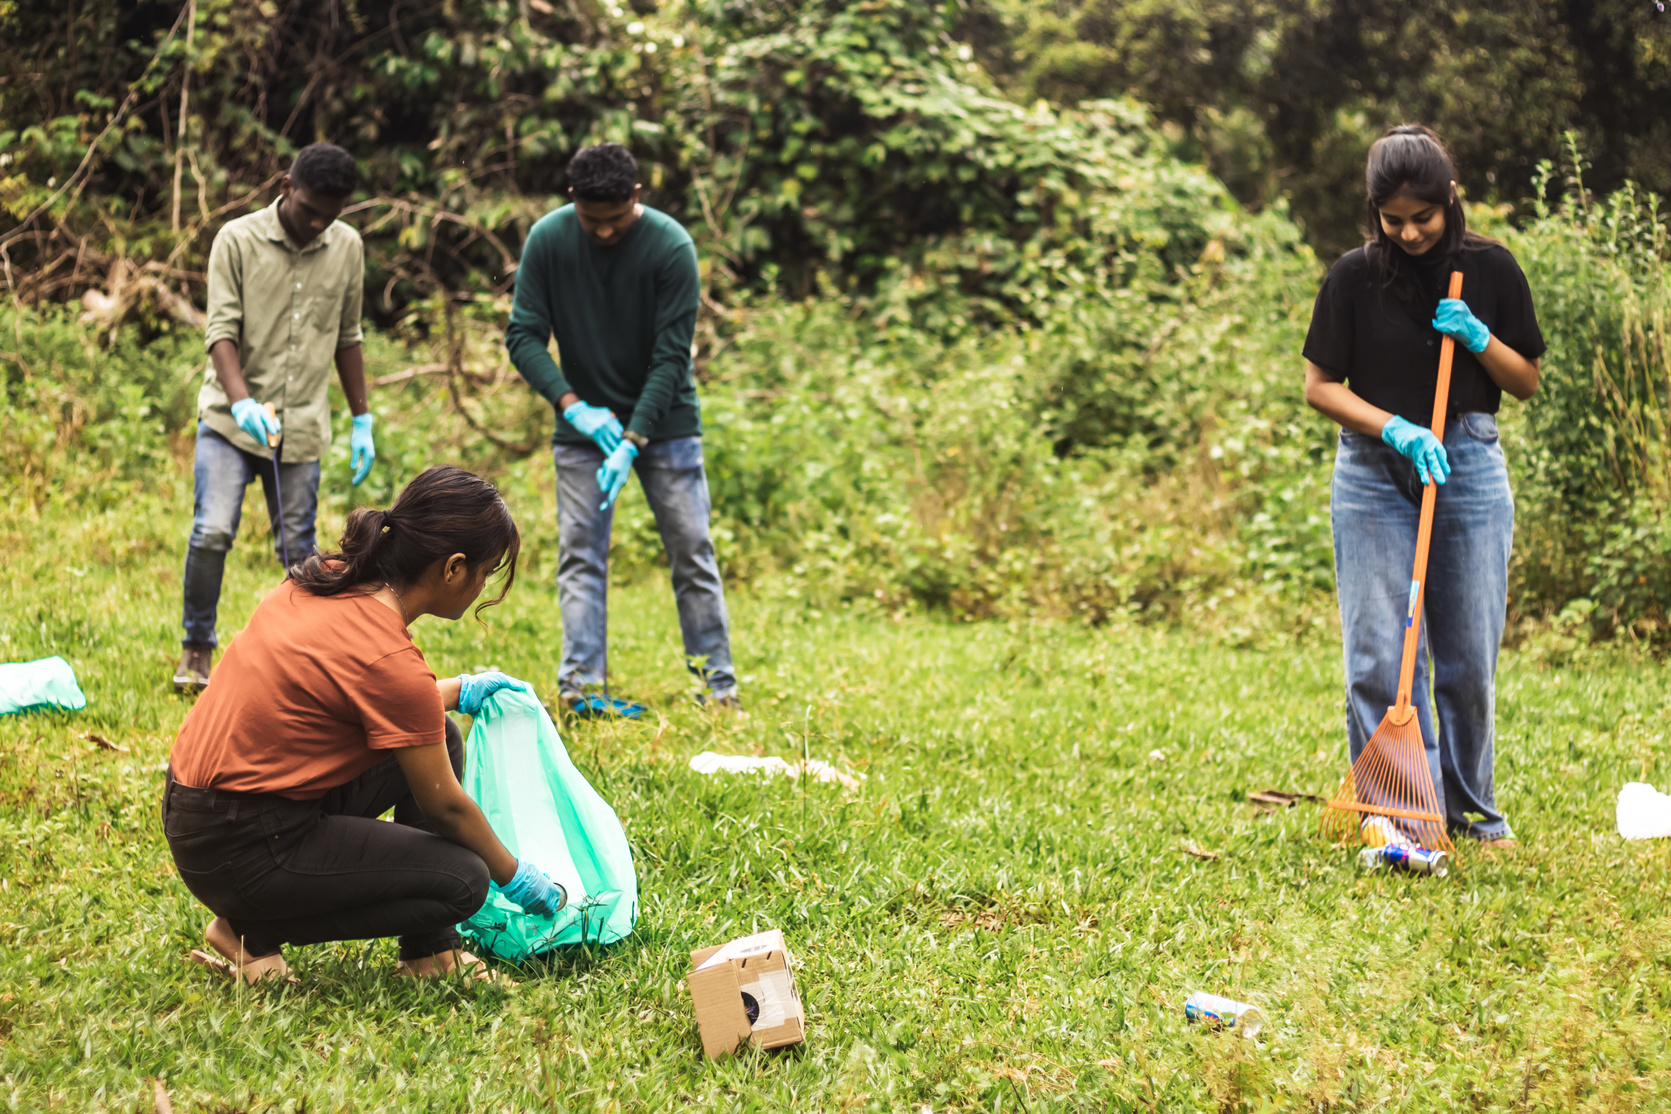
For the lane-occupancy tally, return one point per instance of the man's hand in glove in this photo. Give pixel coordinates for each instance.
(362, 451)
(613, 472)
(597, 423)
(254, 420)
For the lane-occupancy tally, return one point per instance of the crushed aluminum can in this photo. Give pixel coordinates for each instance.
(1417, 860)
(1219, 1012)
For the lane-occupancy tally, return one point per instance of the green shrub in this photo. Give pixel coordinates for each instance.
(1594, 472)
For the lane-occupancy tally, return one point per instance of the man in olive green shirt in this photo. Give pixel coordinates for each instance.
(284, 304)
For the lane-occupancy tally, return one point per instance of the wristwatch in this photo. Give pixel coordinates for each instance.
(638, 439)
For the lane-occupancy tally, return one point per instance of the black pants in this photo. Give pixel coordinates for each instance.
(303, 872)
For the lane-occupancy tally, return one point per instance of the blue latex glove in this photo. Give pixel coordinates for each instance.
(473, 688)
(362, 452)
(536, 893)
(612, 473)
(254, 420)
(1418, 444)
(597, 423)
(1455, 319)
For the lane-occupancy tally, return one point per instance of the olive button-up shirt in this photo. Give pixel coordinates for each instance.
(289, 309)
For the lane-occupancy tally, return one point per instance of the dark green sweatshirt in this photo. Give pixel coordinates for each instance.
(623, 317)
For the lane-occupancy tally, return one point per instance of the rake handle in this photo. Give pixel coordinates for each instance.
(1402, 711)
(278, 488)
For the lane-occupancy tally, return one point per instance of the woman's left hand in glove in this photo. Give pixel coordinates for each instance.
(1455, 319)
(473, 688)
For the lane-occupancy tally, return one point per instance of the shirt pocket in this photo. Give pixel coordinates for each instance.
(1481, 426)
(324, 312)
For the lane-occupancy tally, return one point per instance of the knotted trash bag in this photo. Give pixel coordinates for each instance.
(542, 809)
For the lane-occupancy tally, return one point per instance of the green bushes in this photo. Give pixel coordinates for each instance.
(1595, 476)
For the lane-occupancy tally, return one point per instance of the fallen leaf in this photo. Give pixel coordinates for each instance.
(160, 1097)
(1199, 852)
(1278, 798)
(103, 743)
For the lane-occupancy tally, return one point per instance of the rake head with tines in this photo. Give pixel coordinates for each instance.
(1391, 777)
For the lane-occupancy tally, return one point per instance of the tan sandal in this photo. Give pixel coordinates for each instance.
(464, 965)
(250, 969)
(224, 967)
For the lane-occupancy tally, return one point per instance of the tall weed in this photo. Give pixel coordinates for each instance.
(1594, 481)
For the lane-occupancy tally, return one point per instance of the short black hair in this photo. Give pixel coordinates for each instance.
(603, 172)
(325, 168)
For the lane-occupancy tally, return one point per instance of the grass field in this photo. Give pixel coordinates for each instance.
(1002, 918)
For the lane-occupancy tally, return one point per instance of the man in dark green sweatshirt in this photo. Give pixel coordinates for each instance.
(616, 282)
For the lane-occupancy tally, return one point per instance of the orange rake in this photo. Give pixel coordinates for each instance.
(1391, 777)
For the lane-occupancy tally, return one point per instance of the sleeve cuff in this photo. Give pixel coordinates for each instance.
(402, 741)
(215, 336)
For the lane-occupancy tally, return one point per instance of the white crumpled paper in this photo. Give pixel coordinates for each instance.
(710, 763)
(1644, 812)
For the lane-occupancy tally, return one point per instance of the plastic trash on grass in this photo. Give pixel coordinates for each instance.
(1218, 1012)
(710, 763)
(1644, 812)
(47, 683)
(517, 769)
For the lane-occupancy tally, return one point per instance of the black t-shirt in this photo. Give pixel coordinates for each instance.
(1379, 339)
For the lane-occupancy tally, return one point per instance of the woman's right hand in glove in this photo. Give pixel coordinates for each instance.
(1420, 447)
(534, 891)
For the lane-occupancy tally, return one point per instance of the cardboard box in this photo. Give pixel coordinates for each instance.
(745, 990)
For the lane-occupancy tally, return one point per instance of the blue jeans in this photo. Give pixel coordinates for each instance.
(222, 472)
(1375, 507)
(676, 487)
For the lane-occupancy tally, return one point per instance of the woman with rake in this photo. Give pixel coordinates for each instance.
(1384, 337)
(323, 716)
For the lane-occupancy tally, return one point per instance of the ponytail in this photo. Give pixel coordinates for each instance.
(446, 510)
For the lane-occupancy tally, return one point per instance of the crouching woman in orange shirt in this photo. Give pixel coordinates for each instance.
(323, 716)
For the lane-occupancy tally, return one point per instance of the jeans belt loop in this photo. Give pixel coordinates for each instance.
(232, 813)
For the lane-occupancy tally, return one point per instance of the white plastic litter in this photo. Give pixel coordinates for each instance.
(1644, 812)
(710, 763)
(1380, 831)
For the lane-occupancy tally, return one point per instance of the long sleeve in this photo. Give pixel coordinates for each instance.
(678, 293)
(528, 336)
(226, 291)
(349, 331)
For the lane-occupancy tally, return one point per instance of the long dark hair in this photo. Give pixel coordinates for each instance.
(446, 510)
(1411, 160)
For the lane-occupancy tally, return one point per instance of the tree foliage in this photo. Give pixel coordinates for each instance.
(1282, 96)
(852, 144)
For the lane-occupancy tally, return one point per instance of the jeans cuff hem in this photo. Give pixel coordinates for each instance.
(430, 945)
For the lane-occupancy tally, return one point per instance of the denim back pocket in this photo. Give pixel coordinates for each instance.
(1481, 426)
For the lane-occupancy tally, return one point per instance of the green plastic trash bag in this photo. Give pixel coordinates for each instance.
(517, 770)
(47, 683)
